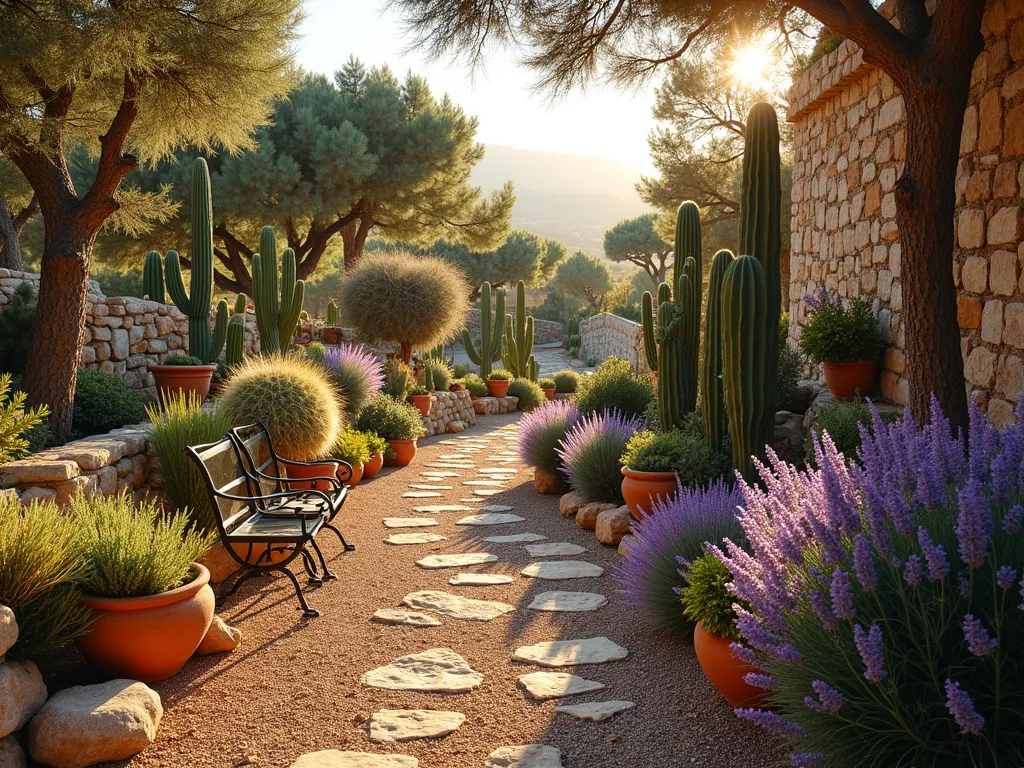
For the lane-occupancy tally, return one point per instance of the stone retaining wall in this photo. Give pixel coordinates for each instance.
(544, 331)
(449, 412)
(606, 335)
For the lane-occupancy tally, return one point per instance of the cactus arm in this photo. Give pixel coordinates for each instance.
(529, 337)
(153, 277)
(650, 343)
(235, 344)
(510, 357)
(664, 293)
(175, 285)
(240, 304)
(265, 287)
(534, 373)
(467, 342)
(289, 308)
(289, 321)
(220, 332)
(498, 326)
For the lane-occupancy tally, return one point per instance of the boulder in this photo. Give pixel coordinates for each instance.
(11, 753)
(219, 638)
(549, 482)
(90, 724)
(789, 437)
(625, 544)
(22, 693)
(569, 504)
(8, 629)
(802, 396)
(220, 564)
(586, 516)
(613, 524)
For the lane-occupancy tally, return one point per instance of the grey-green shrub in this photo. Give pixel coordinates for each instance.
(615, 385)
(688, 455)
(475, 385)
(566, 381)
(529, 393)
(391, 419)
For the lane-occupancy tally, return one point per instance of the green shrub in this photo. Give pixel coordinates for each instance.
(418, 390)
(566, 381)
(499, 374)
(689, 456)
(442, 374)
(103, 402)
(375, 443)
(842, 421)
(460, 371)
(546, 383)
(315, 351)
(352, 446)
(397, 379)
(17, 424)
(179, 359)
(390, 419)
(40, 437)
(838, 334)
(615, 385)
(791, 367)
(705, 597)
(181, 423)
(17, 324)
(133, 551)
(475, 385)
(529, 393)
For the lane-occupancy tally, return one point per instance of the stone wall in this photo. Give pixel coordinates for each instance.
(449, 412)
(606, 335)
(544, 331)
(848, 150)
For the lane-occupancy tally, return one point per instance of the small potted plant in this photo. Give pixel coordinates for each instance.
(477, 387)
(707, 601)
(183, 373)
(548, 387)
(398, 423)
(419, 396)
(377, 446)
(846, 340)
(353, 448)
(497, 382)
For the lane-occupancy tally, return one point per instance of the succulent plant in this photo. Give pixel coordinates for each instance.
(492, 331)
(276, 315)
(518, 352)
(153, 277)
(332, 314)
(234, 349)
(711, 370)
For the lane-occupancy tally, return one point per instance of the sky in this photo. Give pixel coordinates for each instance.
(602, 122)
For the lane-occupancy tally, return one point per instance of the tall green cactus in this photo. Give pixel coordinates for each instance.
(332, 314)
(153, 277)
(234, 350)
(745, 359)
(240, 305)
(518, 352)
(276, 316)
(711, 370)
(688, 246)
(202, 343)
(492, 331)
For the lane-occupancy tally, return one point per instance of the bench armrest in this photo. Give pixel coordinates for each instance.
(283, 495)
(333, 480)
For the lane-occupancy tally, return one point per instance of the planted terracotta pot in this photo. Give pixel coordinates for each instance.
(317, 470)
(642, 489)
(497, 387)
(183, 378)
(421, 403)
(852, 379)
(331, 335)
(546, 481)
(148, 638)
(357, 475)
(405, 450)
(549, 392)
(372, 467)
(724, 670)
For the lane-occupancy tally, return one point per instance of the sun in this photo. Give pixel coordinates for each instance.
(750, 66)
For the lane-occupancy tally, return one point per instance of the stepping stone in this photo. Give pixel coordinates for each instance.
(402, 616)
(515, 538)
(457, 560)
(595, 711)
(503, 459)
(420, 494)
(544, 686)
(491, 518)
(481, 482)
(391, 725)
(555, 548)
(451, 457)
(439, 670)
(332, 758)
(562, 569)
(479, 579)
(526, 756)
(497, 470)
(566, 653)
(414, 538)
(425, 487)
(432, 508)
(409, 522)
(456, 606)
(486, 491)
(497, 508)
(439, 474)
(473, 500)
(448, 465)
(568, 602)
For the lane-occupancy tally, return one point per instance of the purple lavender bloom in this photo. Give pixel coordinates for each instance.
(820, 298)
(806, 760)
(540, 431)
(842, 595)
(974, 523)
(1006, 576)
(759, 680)
(823, 611)
(934, 555)
(963, 585)
(357, 371)
(829, 699)
(864, 563)
(772, 721)
(872, 651)
(787, 653)
(961, 707)
(1012, 519)
(743, 653)
(611, 426)
(979, 641)
(913, 571)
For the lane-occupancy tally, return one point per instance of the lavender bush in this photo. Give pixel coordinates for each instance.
(357, 372)
(886, 599)
(590, 454)
(541, 430)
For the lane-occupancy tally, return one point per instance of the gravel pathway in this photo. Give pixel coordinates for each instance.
(296, 686)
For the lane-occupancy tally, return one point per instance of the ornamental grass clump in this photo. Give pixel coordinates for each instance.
(541, 431)
(398, 379)
(886, 600)
(357, 373)
(590, 454)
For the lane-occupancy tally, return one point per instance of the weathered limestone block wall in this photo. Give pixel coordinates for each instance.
(606, 335)
(849, 138)
(544, 331)
(449, 412)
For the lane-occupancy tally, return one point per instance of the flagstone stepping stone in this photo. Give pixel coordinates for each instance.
(488, 491)
(516, 538)
(414, 538)
(482, 482)
(473, 500)
(425, 487)
(544, 686)
(439, 670)
(479, 579)
(391, 725)
(449, 465)
(409, 522)
(456, 560)
(525, 756)
(456, 606)
(595, 711)
(562, 569)
(432, 508)
(490, 518)
(420, 494)
(567, 653)
(451, 457)
(402, 616)
(503, 459)
(555, 548)
(439, 474)
(497, 470)
(568, 602)
(497, 508)
(332, 758)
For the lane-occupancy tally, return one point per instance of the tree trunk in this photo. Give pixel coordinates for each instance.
(10, 243)
(406, 352)
(353, 236)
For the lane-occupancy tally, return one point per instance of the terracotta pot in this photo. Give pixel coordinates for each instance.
(849, 380)
(422, 403)
(546, 481)
(724, 670)
(331, 335)
(549, 392)
(472, 396)
(406, 450)
(357, 474)
(318, 470)
(456, 387)
(497, 387)
(183, 378)
(148, 638)
(640, 489)
(372, 467)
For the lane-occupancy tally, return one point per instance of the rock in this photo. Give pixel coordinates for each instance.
(332, 758)
(789, 437)
(11, 753)
(525, 756)
(90, 724)
(496, 508)
(414, 538)
(219, 562)
(439, 474)
(544, 686)
(479, 579)
(497, 471)
(451, 465)
(586, 516)
(431, 509)
(490, 518)
(439, 670)
(219, 638)
(420, 494)
(402, 616)
(613, 524)
(488, 483)
(554, 549)
(457, 426)
(487, 491)
(409, 522)
(390, 725)
(567, 653)
(22, 694)
(801, 398)
(562, 569)
(8, 630)
(456, 606)
(457, 560)
(515, 538)
(425, 487)
(568, 602)
(625, 544)
(595, 711)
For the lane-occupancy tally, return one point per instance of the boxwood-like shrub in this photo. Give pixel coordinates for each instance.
(104, 402)
(615, 385)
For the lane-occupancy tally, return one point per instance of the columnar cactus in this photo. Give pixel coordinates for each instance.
(234, 350)
(241, 302)
(332, 314)
(202, 343)
(711, 370)
(492, 331)
(276, 316)
(153, 277)
(518, 353)
(688, 246)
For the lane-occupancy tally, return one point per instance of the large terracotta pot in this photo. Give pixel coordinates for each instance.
(318, 470)
(421, 403)
(549, 392)
(148, 638)
(405, 450)
(372, 467)
(724, 670)
(357, 474)
(641, 489)
(331, 335)
(497, 387)
(183, 378)
(546, 481)
(850, 380)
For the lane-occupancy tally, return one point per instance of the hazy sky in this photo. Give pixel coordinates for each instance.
(601, 122)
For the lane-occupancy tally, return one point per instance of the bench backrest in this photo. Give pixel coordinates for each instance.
(258, 457)
(220, 465)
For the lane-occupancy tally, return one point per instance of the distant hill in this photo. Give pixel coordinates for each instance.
(569, 197)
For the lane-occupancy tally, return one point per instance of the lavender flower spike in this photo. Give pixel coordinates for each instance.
(974, 523)
(842, 595)
(979, 641)
(864, 563)
(1006, 576)
(934, 555)
(772, 721)
(961, 707)
(872, 651)
(913, 572)
(829, 699)
(807, 760)
(759, 680)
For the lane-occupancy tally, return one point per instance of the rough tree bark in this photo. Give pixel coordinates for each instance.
(10, 233)
(354, 235)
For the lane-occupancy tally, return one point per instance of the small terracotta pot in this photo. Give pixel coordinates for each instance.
(641, 489)
(372, 467)
(148, 638)
(421, 403)
(318, 470)
(546, 481)
(497, 387)
(331, 335)
(357, 474)
(406, 450)
(183, 378)
(549, 392)
(724, 670)
(472, 396)
(852, 379)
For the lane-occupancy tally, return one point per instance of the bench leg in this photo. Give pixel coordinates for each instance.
(311, 571)
(346, 546)
(327, 572)
(309, 613)
(246, 575)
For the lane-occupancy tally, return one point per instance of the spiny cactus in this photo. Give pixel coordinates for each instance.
(276, 316)
(234, 349)
(153, 277)
(518, 352)
(711, 370)
(196, 305)
(241, 302)
(332, 314)
(688, 246)
(492, 331)
(428, 378)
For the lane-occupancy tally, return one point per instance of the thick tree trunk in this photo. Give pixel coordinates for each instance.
(10, 243)
(353, 236)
